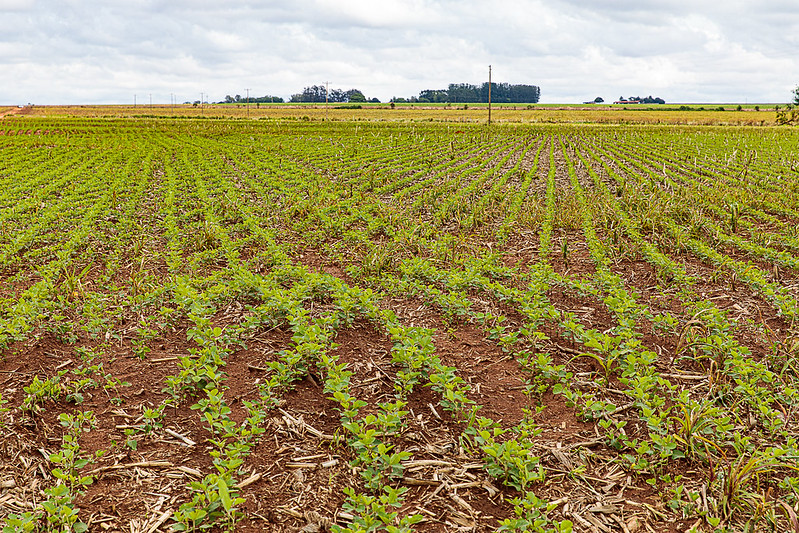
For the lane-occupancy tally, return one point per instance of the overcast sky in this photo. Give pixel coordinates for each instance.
(92, 51)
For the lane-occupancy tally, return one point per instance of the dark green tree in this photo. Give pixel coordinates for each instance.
(354, 95)
(463, 92)
(466, 93)
(337, 95)
(433, 96)
(318, 94)
(314, 93)
(796, 95)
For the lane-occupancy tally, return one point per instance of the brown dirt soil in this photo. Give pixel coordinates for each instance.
(300, 467)
(10, 112)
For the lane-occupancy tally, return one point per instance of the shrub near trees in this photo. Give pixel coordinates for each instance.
(791, 115)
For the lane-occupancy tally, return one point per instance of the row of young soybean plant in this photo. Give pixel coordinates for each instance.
(209, 224)
(77, 214)
(744, 391)
(505, 452)
(197, 239)
(442, 277)
(741, 193)
(746, 205)
(51, 232)
(780, 356)
(617, 354)
(703, 234)
(237, 202)
(370, 436)
(509, 460)
(618, 350)
(446, 288)
(620, 353)
(85, 192)
(679, 424)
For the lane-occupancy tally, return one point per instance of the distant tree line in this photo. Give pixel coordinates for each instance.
(312, 94)
(647, 100)
(253, 99)
(318, 93)
(456, 93)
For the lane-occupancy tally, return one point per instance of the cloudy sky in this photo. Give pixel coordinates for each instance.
(92, 51)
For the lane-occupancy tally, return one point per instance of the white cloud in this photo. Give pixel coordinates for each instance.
(225, 42)
(682, 50)
(389, 13)
(16, 5)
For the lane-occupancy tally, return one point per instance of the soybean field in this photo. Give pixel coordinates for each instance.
(355, 326)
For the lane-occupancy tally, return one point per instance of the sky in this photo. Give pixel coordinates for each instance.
(110, 52)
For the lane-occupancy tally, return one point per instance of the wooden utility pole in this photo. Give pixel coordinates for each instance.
(327, 91)
(248, 102)
(489, 94)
